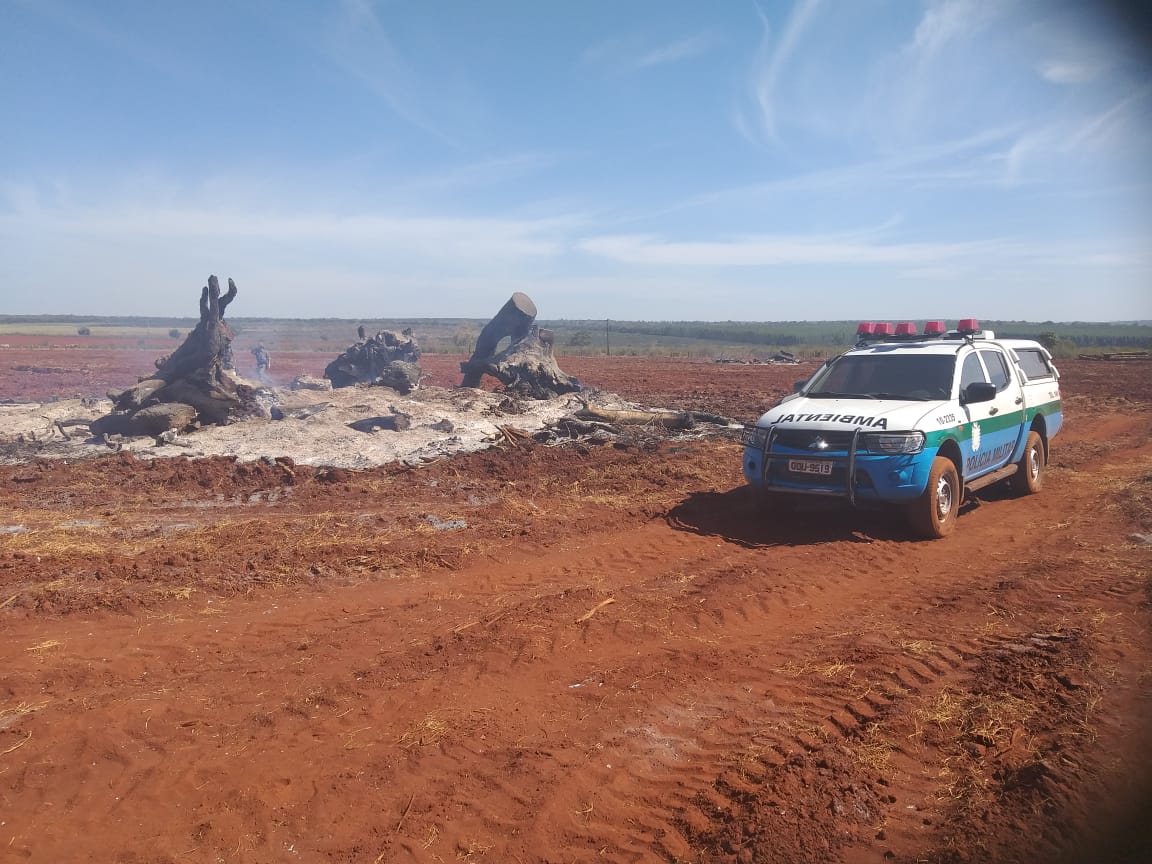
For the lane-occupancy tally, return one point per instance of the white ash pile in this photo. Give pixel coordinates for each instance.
(359, 427)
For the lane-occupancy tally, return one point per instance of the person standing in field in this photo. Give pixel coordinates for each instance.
(263, 361)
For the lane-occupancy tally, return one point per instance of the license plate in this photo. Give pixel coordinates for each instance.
(806, 466)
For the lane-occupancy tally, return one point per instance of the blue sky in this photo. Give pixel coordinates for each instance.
(801, 159)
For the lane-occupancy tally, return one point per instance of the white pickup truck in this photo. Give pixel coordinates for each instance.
(911, 419)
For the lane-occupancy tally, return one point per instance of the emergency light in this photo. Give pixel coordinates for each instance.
(968, 328)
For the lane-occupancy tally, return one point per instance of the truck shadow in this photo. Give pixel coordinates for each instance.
(732, 516)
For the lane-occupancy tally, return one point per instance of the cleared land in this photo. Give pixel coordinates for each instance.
(567, 654)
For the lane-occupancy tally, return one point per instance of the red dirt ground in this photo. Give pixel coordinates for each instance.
(611, 660)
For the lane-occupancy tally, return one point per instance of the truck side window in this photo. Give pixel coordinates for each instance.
(997, 371)
(971, 372)
(1034, 364)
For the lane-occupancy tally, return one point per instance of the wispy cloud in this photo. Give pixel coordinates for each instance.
(1068, 71)
(767, 250)
(935, 81)
(485, 172)
(964, 162)
(1072, 49)
(622, 52)
(771, 61)
(870, 248)
(1110, 123)
(378, 234)
(681, 49)
(945, 21)
(359, 43)
(1112, 129)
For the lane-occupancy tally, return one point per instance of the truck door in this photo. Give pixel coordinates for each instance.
(994, 426)
(1041, 391)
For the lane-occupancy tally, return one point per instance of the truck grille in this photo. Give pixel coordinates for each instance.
(803, 439)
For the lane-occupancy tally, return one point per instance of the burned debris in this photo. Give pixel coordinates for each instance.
(395, 421)
(599, 424)
(527, 366)
(388, 359)
(196, 384)
(196, 388)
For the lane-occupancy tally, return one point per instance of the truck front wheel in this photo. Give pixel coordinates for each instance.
(933, 514)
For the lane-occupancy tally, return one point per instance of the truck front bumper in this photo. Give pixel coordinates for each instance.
(851, 474)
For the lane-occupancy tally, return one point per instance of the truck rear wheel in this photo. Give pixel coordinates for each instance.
(1029, 476)
(933, 514)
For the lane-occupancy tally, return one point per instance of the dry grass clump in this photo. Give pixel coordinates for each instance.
(1135, 500)
(12, 714)
(989, 720)
(1128, 488)
(67, 540)
(826, 669)
(872, 748)
(983, 737)
(438, 726)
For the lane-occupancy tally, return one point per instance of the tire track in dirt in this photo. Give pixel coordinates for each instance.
(677, 731)
(661, 743)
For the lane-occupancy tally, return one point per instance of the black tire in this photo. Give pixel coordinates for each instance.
(933, 514)
(1029, 476)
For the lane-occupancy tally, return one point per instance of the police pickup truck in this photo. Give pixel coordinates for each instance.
(911, 419)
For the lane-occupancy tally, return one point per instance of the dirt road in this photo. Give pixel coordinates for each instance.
(574, 654)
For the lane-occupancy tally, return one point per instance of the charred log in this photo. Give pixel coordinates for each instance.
(389, 422)
(665, 419)
(152, 420)
(528, 365)
(387, 359)
(401, 376)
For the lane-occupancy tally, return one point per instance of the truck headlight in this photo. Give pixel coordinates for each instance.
(755, 437)
(888, 443)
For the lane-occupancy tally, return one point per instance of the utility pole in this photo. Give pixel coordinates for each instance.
(607, 339)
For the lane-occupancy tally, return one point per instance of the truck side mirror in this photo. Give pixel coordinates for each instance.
(979, 391)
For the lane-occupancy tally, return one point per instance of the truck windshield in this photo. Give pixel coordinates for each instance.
(912, 377)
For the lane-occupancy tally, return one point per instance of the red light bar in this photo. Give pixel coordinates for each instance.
(885, 329)
(933, 328)
(905, 328)
(968, 325)
(865, 329)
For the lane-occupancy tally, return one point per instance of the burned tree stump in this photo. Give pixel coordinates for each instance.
(193, 385)
(387, 359)
(527, 365)
(514, 320)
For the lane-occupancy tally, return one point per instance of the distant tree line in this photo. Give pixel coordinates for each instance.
(833, 333)
(584, 336)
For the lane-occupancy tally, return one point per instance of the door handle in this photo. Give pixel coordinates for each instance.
(1019, 399)
(992, 411)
